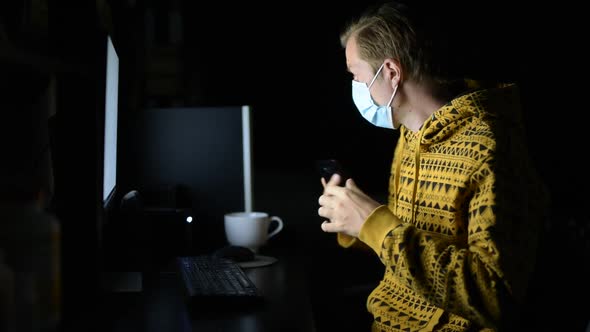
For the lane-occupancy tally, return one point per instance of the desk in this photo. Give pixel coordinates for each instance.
(159, 307)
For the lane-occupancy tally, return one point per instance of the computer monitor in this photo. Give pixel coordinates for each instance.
(109, 177)
(116, 262)
(205, 150)
(84, 113)
(107, 138)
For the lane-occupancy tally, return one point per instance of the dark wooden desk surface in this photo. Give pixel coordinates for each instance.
(159, 307)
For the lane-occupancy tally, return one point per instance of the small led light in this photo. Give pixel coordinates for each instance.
(189, 219)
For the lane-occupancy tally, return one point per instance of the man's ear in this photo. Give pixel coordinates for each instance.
(394, 70)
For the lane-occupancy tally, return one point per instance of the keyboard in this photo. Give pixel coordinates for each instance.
(210, 281)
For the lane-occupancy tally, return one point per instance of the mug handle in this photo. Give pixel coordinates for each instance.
(278, 228)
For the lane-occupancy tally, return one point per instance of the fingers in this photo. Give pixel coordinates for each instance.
(335, 179)
(333, 183)
(322, 200)
(330, 227)
(328, 200)
(324, 212)
(326, 206)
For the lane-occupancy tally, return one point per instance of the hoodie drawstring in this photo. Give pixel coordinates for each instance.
(397, 174)
(398, 165)
(417, 176)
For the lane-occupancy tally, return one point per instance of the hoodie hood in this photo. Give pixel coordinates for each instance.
(480, 104)
(481, 101)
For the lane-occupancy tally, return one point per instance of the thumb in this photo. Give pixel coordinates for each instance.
(350, 184)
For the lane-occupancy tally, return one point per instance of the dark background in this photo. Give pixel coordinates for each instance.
(284, 59)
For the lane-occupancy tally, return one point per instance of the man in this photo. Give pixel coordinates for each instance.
(458, 234)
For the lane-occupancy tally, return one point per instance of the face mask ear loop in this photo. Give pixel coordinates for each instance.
(392, 96)
(390, 113)
(376, 74)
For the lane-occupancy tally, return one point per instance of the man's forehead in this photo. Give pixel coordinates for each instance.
(352, 60)
(350, 64)
(351, 51)
(356, 64)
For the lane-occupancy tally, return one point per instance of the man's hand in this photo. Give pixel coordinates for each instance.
(346, 207)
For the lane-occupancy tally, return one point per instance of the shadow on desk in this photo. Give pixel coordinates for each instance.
(161, 306)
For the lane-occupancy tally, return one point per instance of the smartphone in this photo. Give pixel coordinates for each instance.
(327, 167)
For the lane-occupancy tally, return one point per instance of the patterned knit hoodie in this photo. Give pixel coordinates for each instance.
(458, 235)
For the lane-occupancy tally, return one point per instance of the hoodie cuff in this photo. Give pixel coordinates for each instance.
(378, 224)
(346, 240)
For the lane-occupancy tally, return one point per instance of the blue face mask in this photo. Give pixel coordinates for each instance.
(380, 116)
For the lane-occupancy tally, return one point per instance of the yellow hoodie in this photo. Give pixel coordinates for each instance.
(458, 235)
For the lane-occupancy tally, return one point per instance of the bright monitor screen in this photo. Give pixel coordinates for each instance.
(110, 123)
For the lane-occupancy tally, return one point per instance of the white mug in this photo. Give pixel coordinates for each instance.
(250, 229)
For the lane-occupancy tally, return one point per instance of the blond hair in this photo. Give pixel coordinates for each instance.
(392, 31)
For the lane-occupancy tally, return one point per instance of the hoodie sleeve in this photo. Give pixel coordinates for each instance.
(474, 280)
(382, 226)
